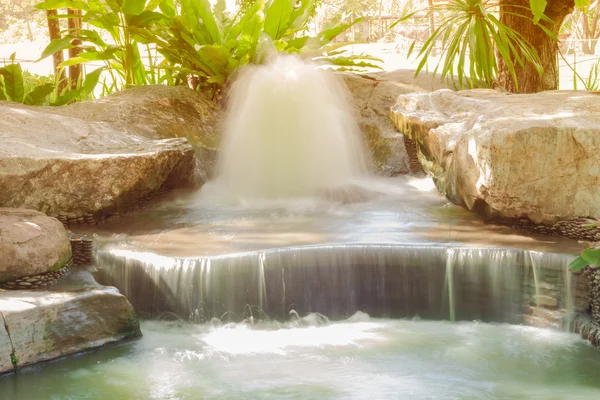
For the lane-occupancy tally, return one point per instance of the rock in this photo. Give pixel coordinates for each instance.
(71, 167)
(31, 243)
(42, 325)
(514, 156)
(373, 94)
(160, 112)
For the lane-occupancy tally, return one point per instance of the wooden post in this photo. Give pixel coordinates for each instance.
(54, 32)
(74, 23)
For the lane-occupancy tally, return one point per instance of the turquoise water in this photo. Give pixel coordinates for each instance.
(310, 358)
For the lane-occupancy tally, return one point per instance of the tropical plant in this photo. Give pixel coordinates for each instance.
(207, 45)
(472, 37)
(13, 88)
(22, 87)
(118, 18)
(588, 257)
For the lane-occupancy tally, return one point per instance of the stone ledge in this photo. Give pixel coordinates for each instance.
(78, 315)
(587, 328)
(512, 156)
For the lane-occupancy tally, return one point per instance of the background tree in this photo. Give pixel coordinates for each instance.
(537, 34)
(17, 12)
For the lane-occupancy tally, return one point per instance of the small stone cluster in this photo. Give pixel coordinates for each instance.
(572, 229)
(73, 219)
(413, 156)
(587, 328)
(38, 281)
(594, 277)
(82, 248)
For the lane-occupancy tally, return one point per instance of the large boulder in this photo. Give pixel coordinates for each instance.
(37, 326)
(60, 164)
(159, 112)
(535, 155)
(372, 95)
(31, 243)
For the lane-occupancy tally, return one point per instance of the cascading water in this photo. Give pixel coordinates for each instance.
(290, 132)
(336, 281)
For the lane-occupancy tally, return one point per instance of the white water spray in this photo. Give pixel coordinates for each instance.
(290, 132)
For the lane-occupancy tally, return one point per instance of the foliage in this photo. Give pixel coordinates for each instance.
(207, 45)
(22, 87)
(13, 87)
(472, 39)
(592, 82)
(20, 22)
(117, 18)
(588, 256)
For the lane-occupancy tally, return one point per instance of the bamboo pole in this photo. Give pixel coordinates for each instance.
(57, 58)
(74, 25)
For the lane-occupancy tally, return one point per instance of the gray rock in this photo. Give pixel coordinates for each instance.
(74, 166)
(40, 325)
(160, 112)
(31, 243)
(533, 155)
(373, 95)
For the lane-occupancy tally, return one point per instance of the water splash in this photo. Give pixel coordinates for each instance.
(290, 132)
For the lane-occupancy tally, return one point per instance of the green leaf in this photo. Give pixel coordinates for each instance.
(75, 61)
(91, 80)
(2, 93)
(56, 4)
(277, 18)
(167, 7)
(301, 14)
(206, 15)
(68, 97)
(237, 27)
(328, 35)
(537, 8)
(577, 264)
(57, 45)
(13, 82)
(592, 256)
(133, 7)
(37, 96)
(582, 4)
(144, 19)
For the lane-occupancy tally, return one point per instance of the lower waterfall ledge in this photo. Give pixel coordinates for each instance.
(587, 328)
(77, 315)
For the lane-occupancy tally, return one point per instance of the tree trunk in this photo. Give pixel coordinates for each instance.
(58, 58)
(74, 22)
(529, 81)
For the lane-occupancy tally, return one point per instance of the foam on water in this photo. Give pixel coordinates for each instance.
(354, 359)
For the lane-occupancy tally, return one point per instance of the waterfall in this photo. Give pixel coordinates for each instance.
(432, 282)
(290, 131)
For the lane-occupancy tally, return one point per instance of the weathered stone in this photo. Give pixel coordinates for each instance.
(514, 156)
(65, 165)
(160, 112)
(6, 348)
(373, 94)
(30, 243)
(45, 325)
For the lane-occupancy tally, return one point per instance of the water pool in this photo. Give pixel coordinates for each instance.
(310, 358)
